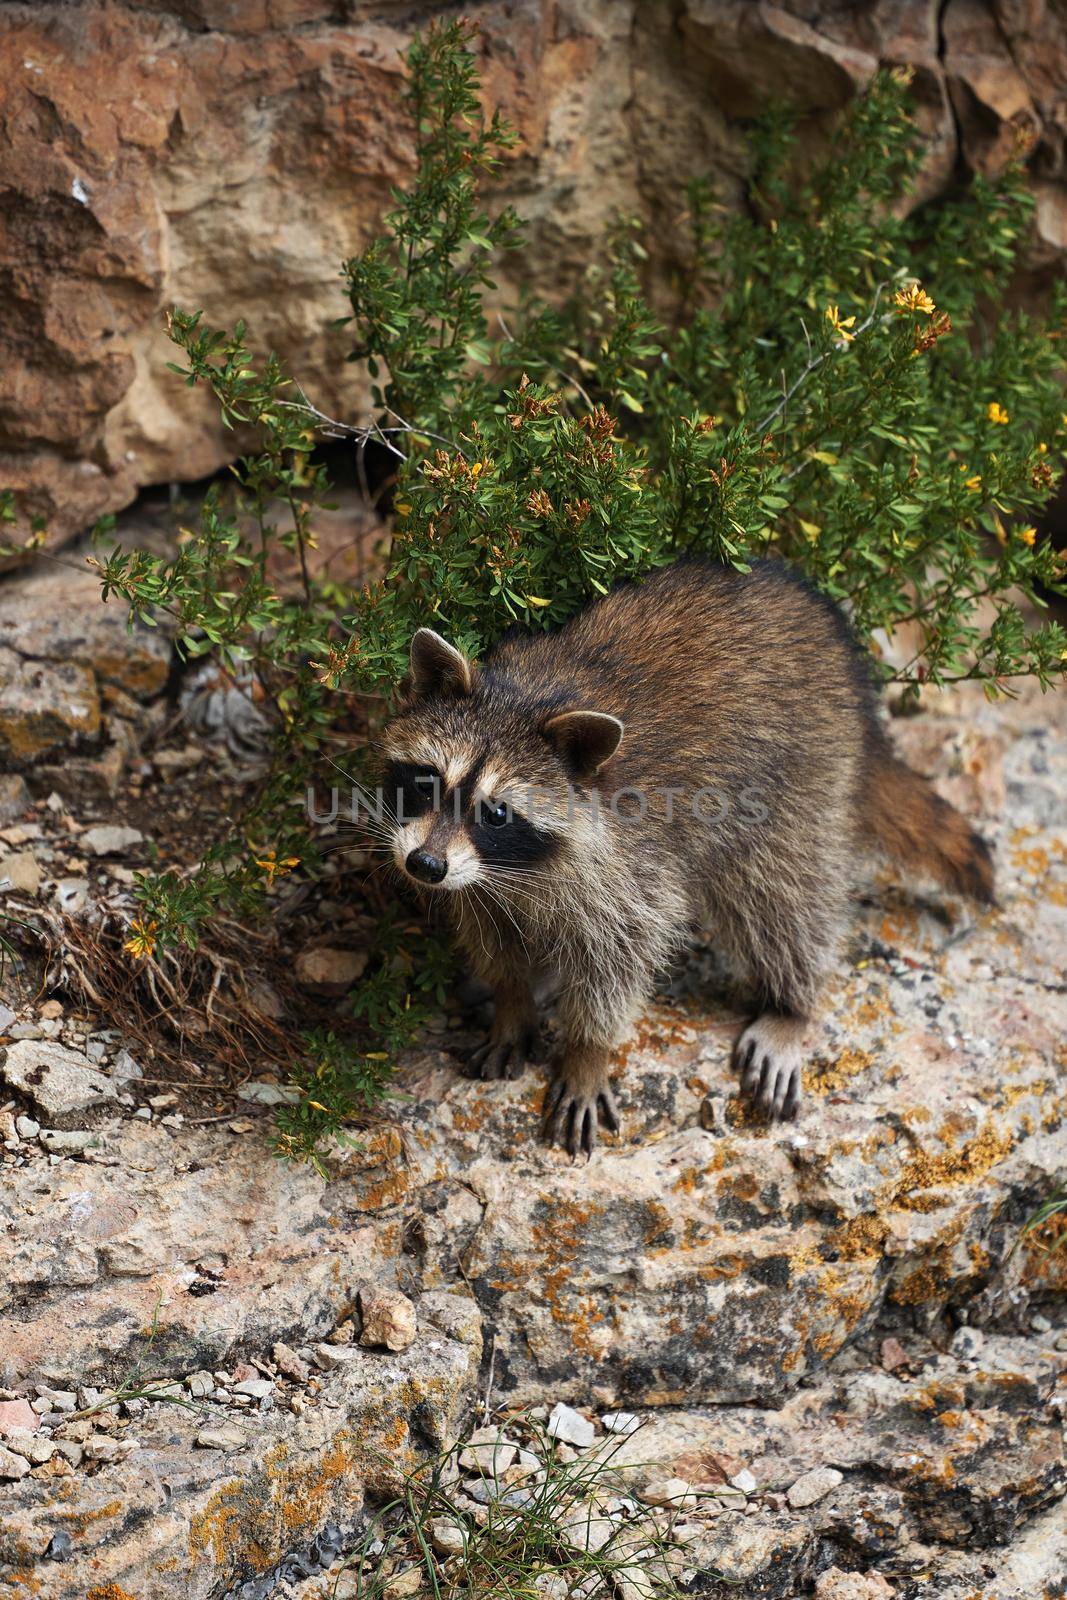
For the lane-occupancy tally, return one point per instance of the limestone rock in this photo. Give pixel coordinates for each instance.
(15, 798)
(194, 1525)
(12, 1466)
(838, 1585)
(222, 1436)
(59, 1081)
(570, 1427)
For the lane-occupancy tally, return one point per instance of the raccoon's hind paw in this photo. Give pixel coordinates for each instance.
(769, 1058)
(574, 1109)
(502, 1058)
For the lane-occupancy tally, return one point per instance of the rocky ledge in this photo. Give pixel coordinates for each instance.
(212, 1361)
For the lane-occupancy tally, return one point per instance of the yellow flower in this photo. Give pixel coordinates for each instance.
(996, 413)
(142, 940)
(275, 868)
(974, 483)
(840, 324)
(1026, 535)
(913, 297)
(1042, 448)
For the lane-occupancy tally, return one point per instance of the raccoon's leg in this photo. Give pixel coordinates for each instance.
(503, 964)
(579, 1097)
(513, 1033)
(769, 1057)
(787, 944)
(594, 1012)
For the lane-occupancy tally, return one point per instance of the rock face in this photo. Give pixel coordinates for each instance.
(834, 1317)
(244, 150)
(63, 651)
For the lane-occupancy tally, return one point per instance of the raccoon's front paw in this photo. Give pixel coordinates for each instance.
(504, 1057)
(575, 1107)
(769, 1058)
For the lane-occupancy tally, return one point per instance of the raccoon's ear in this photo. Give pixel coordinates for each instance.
(584, 739)
(437, 667)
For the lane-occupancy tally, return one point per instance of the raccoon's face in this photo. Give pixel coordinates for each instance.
(480, 789)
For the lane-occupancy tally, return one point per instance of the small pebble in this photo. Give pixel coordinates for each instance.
(255, 1388)
(388, 1319)
(222, 1436)
(487, 1452)
(967, 1343)
(570, 1427)
(447, 1537)
(620, 1422)
(673, 1492)
(12, 1466)
(813, 1486)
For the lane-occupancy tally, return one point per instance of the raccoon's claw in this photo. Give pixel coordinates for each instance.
(572, 1116)
(775, 1088)
(505, 1058)
(770, 1071)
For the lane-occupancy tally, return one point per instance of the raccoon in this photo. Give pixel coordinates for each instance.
(702, 747)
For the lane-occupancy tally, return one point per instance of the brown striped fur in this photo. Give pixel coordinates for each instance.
(748, 684)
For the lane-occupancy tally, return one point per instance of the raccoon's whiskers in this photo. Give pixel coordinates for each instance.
(498, 900)
(479, 921)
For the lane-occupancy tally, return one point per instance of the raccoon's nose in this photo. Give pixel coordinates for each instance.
(427, 868)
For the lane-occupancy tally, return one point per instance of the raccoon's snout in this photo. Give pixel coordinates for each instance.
(425, 867)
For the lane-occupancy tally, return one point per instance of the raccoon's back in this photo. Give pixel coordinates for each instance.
(712, 671)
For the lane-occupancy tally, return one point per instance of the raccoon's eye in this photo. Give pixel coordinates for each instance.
(494, 813)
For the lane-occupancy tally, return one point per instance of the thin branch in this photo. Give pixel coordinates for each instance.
(816, 361)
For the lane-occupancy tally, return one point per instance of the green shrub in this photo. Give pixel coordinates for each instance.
(843, 386)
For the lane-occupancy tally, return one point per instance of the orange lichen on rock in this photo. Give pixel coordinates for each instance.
(860, 1239)
(223, 1530)
(558, 1237)
(936, 1396)
(924, 1171)
(823, 1078)
(1045, 1257)
(305, 1494)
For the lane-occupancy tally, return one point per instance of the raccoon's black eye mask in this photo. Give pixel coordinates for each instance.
(412, 789)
